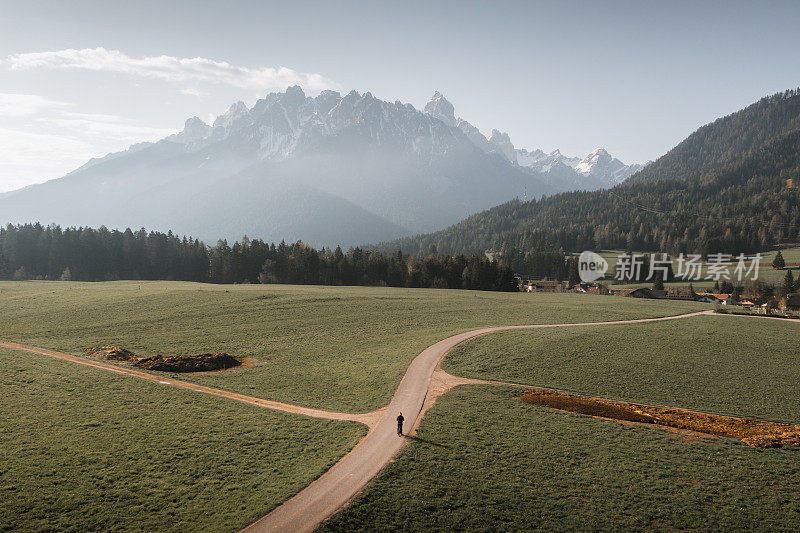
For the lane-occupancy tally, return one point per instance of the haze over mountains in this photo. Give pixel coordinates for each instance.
(729, 187)
(329, 170)
(597, 170)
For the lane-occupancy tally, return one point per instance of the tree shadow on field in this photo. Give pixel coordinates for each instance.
(425, 441)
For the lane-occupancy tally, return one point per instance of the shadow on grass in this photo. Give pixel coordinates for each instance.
(417, 439)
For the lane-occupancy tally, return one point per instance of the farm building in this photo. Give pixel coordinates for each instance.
(790, 302)
(545, 286)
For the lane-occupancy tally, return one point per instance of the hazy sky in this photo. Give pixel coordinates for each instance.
(80, 79)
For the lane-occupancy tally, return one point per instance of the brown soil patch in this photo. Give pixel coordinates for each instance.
(113, 353)
(751, 431)
(204, 362)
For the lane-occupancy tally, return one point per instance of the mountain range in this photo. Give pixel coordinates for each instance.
(729, 187)
(329, 170)
(597, 170)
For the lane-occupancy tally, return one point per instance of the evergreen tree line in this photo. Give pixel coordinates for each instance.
(33, 251)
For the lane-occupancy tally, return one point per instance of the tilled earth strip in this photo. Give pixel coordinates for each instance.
(751, 431)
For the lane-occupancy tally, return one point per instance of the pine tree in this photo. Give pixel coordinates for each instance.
(778, 263)
(788, 282)
(21, 274)
(574, 276)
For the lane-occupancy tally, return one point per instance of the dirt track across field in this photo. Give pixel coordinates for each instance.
(415, 394)
(423, 382)
(367, 418)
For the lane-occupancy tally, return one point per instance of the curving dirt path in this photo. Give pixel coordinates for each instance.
(334, 489)
(370, 419)
(423, 382)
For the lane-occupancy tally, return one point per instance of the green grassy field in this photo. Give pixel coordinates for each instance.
(487, 462)
(339, 348)
(735, 365)
(483, 461)
(791, 254)
(87, 450)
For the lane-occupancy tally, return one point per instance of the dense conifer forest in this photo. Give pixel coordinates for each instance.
(33, 251)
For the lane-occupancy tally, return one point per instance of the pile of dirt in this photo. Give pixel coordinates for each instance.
(751, 431)
(114, 353)
(204, 362)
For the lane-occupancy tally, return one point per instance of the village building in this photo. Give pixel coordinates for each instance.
(620, 292)
(546, 286)
(790, 302)
(721, 298)
(643, 292)
(681, 293)
(747, 304)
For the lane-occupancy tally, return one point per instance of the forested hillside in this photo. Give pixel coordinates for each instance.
(742, 205)
(727, 138)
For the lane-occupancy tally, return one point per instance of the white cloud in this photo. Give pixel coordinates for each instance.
(192, 92)
(172, 69)
(20, 105)
(108, 127)
(42, 139)
(28, 157)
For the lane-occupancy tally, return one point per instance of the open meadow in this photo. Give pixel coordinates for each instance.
(95, 450)
(87, 450)
(483, 460)
(728, 364)
(335, 348)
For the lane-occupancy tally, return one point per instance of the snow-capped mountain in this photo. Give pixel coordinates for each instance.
(596, 171)
(602, 165)
(330, 169)
(542, 162)
(440, 108)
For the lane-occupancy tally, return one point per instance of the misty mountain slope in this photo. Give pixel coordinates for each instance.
(742, 205)
(384, 169)
(286, 211)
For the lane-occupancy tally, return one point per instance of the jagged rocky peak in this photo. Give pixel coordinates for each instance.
(533, 153)
(439, 107)
(599, 161)
(503, 143)
(194, 129)
(293, 94)
(327, 100)
(235, 112)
